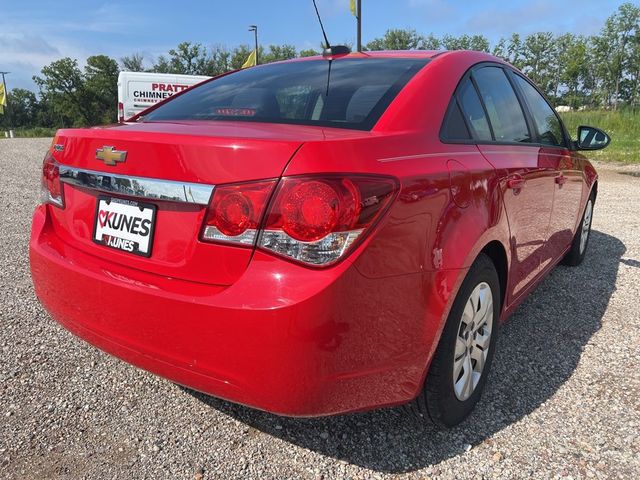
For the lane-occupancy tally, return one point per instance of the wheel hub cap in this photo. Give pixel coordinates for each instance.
(473, 340)
(586, 226)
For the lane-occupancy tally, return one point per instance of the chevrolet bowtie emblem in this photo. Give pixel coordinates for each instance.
(111, 156)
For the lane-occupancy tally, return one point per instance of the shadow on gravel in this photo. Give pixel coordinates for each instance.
(538, 350)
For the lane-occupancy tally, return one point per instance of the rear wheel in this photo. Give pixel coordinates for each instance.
(578, 250)
(463, 358)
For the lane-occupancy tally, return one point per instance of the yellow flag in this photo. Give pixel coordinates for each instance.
(3, 98)
(251, 60)
(353, 8)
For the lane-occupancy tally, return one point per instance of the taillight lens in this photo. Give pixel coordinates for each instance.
(51, 184)
(316, 220)
(235, 212)
(120, 112)
(312, 209)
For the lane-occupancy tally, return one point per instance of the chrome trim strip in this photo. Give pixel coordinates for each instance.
(140, 187)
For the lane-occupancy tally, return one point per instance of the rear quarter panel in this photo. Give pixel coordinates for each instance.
(448, 208)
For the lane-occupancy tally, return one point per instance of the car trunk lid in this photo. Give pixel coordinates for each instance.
(171, 168)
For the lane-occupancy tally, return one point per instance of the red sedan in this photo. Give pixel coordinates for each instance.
(317, 236)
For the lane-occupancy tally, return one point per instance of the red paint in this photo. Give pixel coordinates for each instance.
(259, 329)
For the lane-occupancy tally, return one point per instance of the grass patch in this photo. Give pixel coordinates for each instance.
(623, 126)
(35, 132)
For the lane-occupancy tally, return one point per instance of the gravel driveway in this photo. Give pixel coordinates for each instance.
(563, 399)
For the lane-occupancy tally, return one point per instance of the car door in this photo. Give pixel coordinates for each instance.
(526, 187)
(563, 166)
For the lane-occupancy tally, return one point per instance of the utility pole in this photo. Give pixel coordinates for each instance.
(359, 20)
(6, 96)
(254, 29)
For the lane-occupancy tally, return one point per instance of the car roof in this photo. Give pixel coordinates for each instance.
(377, 54)
(399, 53)
(471, 55)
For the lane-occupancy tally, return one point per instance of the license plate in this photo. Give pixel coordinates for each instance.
(125, 225)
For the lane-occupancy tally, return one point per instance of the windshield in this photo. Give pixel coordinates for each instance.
(347, 93)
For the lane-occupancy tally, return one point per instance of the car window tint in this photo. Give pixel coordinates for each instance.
(504, 110)
(293, 101)
(454, 127)
(355, 92)
(547, 123)
(473, 112)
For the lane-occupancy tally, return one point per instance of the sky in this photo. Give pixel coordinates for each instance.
(33, 33)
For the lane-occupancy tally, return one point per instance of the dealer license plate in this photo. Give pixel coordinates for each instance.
(125, 225)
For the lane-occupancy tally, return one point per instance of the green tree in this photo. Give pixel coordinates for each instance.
(310, 52)
(62, 83)
(573, 67)
(46, 114)
(24, 109)
(161, 65)
(186, 58)
(430, 42)
(631, 84)
(77, 98)
(539, 61)
(465, 42)
(218, 60)
(101, 87)
(397, 39)
(510, 50)
(617, 42)
(133, 63)
(277, 53)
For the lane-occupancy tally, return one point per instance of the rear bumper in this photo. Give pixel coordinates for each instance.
(283, 338)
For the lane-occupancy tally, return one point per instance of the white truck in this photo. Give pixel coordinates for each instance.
(140, 90)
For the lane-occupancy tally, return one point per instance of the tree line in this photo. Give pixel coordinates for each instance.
(597, 71)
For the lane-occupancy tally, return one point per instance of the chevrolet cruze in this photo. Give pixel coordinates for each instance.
(317, 236)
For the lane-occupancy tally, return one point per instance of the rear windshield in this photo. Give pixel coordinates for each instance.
(347, 93)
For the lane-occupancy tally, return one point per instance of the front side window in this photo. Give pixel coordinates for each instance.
(347, 93)
(504, 110)
(547, 123)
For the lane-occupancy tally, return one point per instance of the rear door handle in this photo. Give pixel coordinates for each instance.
(515, 182)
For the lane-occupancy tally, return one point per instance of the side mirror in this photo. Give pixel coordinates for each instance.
(591, 138)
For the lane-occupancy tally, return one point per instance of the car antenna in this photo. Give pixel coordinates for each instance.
(330, 51)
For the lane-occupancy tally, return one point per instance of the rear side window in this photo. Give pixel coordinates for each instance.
(454, 127)
(473, 112)
(347, 93)
(504, 110)
(547, 123)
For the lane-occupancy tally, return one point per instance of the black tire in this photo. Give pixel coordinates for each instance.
(438, 401)
(577, 252)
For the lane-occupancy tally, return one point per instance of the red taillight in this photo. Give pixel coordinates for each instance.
(120, 112)
(235, 212)
(313, 209)
(51, 185)
(315, 220)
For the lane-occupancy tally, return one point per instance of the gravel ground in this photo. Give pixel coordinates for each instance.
(562, 399)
